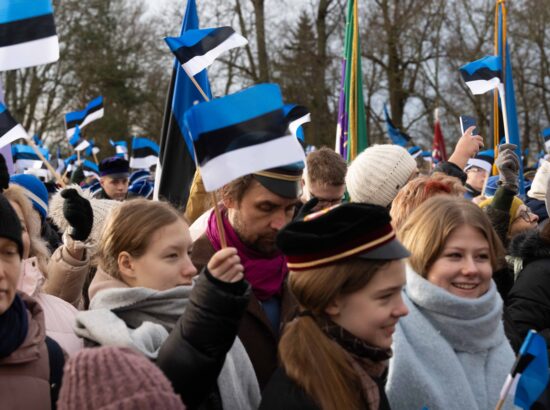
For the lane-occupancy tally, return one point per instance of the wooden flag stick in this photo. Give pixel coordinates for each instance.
(219, 221)
(198, 87)
(95, 158)
(78, 157)
(45, 161)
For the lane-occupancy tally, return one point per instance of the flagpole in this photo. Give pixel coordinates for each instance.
(198, 86)
(48, 165)
(502, 95)
(504, 392)
(95, 158)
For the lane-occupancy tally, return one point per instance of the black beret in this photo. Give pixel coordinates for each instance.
(114, 167)
(338, 233)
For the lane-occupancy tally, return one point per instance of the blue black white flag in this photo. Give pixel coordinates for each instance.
(296, 115)
(197, 49)
(77, 141)
(546, 136)
(482, 75)
(93, 111)
(176, 165)
(25, 158)
(241, 134)
(121, 148)
(397, 136)
(145, 153)
(90, 169)
(10, 130)
(415, 151)
(529, 375)
(70, 162)
(27, 34)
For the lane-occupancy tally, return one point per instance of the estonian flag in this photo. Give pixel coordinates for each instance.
(545, 134)
(241, 134)
(145, 153)
(69, 162)
(10, 130)
(482, 75)
(121, 148)
(77, 141)
(92, 112)
(176, 165)
(28, 37)
(529, 376)
(197, 49)
(90, 169)
(296, 115)
(397, 136)
(25, 158)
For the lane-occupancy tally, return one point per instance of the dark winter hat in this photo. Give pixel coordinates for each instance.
(283, 181)
(351, 230)
(10, 227)
(109, 378)
(115, 167)
(35, 190)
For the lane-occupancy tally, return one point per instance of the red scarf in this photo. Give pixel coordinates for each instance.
(265, 275)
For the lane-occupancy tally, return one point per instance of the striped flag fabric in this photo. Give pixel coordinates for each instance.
(70, 161)
(397, 136)
(482, 75)
(241, 134)
(28, 36)
(25, 158)
(529, 375)
(145, 153)
(10, 130)
(297, 115)
(77, 141)
(90, 169)
(121, 148)
(546, 136)
(176, 165)
(351, 129)
(197, 49)
(93, 111)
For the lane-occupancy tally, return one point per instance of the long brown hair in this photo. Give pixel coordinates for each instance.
(308, 356)
(427, 229)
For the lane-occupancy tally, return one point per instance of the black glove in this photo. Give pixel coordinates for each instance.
(4, 174)
(78, 212)
(508, 167)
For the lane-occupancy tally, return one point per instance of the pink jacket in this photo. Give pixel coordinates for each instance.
(59, 315)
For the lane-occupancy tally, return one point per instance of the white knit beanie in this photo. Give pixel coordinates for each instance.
(538, 186)
(378, 173)
(100, 207)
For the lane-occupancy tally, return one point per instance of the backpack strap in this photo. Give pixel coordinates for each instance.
(56, 359)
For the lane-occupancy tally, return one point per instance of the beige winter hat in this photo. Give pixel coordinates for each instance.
(100, 207)
(378, 173)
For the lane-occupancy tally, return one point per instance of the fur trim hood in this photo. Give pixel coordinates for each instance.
(529, 246)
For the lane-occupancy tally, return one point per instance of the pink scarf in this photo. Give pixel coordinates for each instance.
(265, 275)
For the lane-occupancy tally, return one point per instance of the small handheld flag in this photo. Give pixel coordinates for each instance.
(93, 111)
(240, 134)
(121, 148)
(90, 169)
(397, 136)
(529, 375)
(145, 153)
(28, 34)
(197, 49)
(297, 115)
(77, 141)
(25, 158)
(482, 75)
(10, 130)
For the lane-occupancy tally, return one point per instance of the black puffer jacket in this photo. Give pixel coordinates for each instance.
(528, 304)
(194, 353)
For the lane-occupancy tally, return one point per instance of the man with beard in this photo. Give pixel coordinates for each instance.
(255, 207)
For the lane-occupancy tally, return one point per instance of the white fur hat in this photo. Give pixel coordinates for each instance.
(378, 173)
(100, 207)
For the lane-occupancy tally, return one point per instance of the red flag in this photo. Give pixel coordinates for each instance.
(438, 149)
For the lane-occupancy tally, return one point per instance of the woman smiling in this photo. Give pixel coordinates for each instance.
(450, 351)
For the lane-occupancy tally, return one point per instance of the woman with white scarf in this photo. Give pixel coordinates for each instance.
(450, 352)
(146, 295)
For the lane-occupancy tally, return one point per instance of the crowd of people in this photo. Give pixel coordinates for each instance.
(322, 286)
